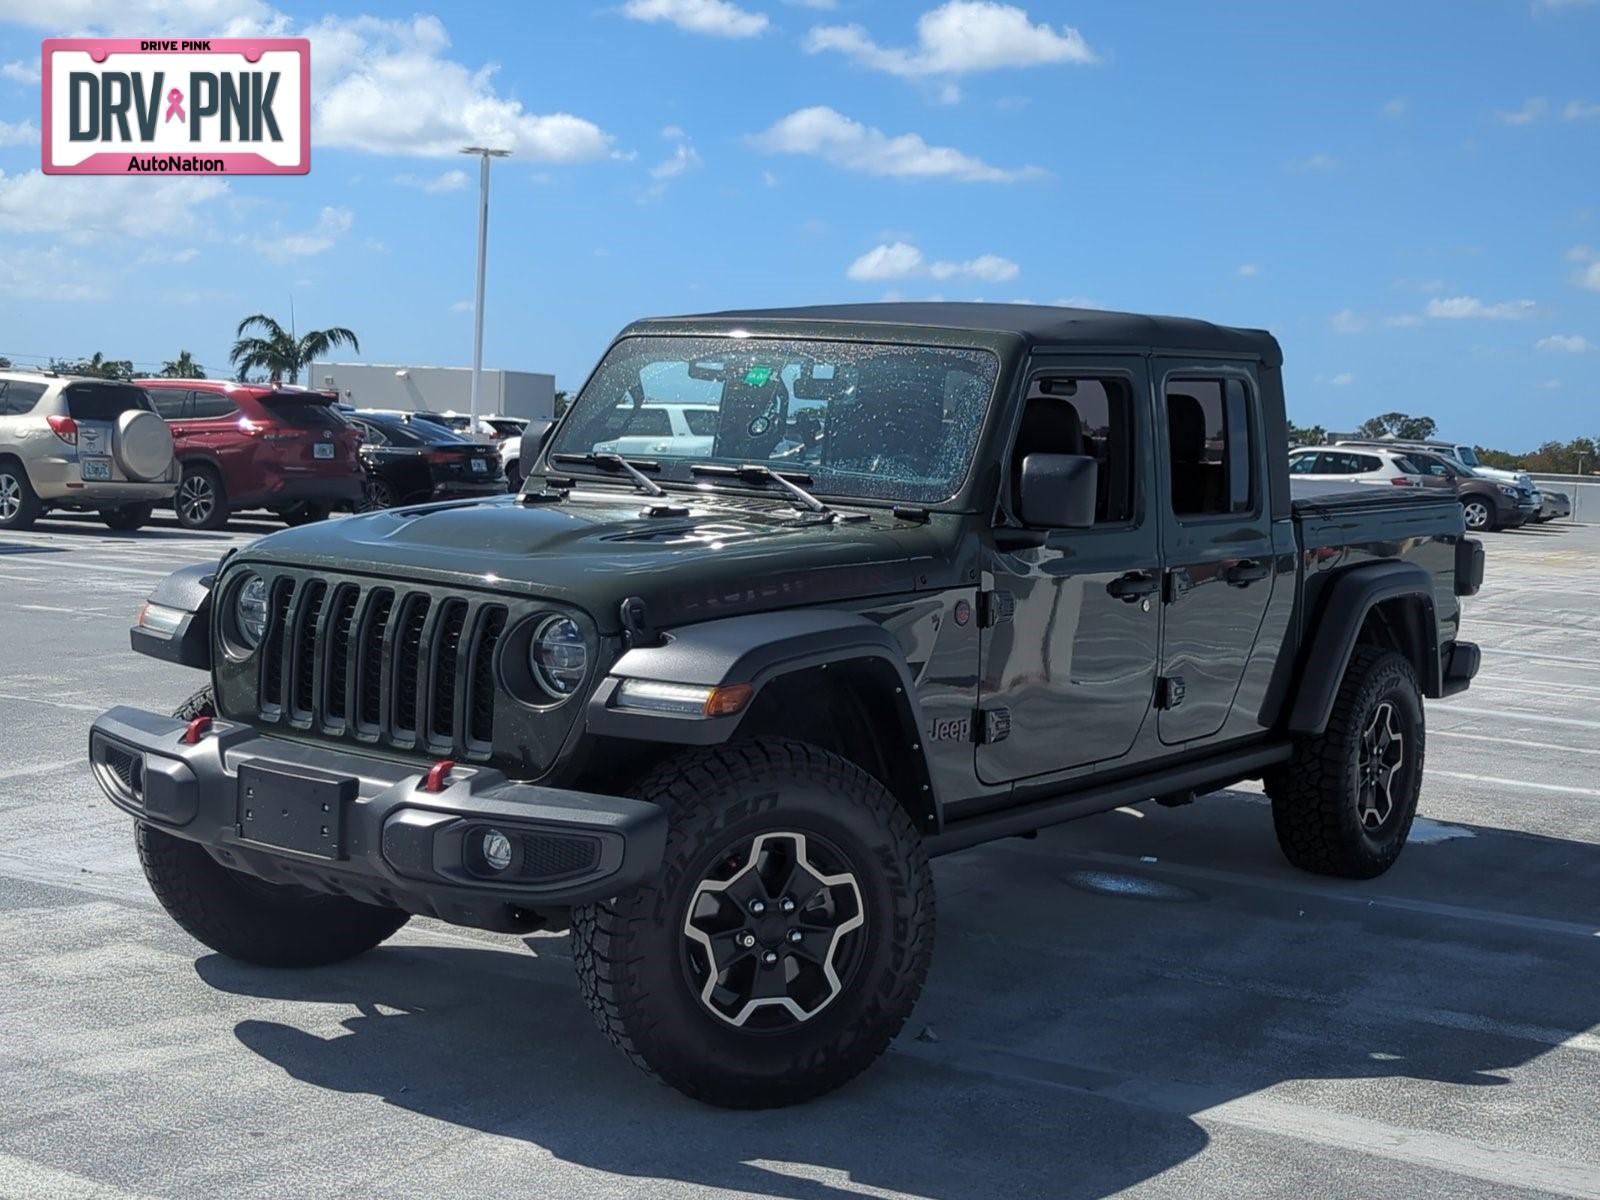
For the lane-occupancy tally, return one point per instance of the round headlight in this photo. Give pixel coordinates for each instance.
(558, 656)
(250, 610)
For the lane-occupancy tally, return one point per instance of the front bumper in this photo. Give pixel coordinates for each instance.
(354, 825)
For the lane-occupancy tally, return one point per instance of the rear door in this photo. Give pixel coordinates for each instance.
(95, 408)
(1217, 534)
(1070, 617)
(211, 428)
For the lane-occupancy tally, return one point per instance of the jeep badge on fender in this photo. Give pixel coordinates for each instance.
(177, 106)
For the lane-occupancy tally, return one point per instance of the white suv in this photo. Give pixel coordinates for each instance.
(83, 444)
(1351, 464)
(682, 430)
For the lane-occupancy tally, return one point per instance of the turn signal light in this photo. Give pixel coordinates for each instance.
(725, 701)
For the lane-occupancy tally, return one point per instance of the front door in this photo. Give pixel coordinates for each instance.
(1216, 513)
(1072, 616)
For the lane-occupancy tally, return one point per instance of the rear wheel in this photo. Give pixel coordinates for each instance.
(127, 517)
(1477, 514)
(514, 476)
(788, 937)
(1345, 803)
(247, 918)
(19, 504)
(201, 502)
(378, 494)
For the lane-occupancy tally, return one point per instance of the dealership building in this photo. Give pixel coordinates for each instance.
(436, 389)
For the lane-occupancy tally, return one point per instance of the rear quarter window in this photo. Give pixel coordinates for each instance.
(18, 398)
(104, 401)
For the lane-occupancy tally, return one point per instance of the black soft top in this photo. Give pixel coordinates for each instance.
(1037, 324)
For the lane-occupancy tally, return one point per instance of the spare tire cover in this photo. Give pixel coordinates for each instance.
(143, 445)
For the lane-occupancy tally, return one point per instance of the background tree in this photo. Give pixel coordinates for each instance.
(1400, 425)
(5, 363)
(278, 352)
(561, 403)
(97, 365)
(182, 367)
(1307, 435)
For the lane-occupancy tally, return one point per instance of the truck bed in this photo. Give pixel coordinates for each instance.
(1337, 514)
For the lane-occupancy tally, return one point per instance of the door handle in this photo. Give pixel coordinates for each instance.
(1133, 586)
(1245, 572)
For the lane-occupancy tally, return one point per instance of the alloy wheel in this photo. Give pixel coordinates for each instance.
(196, 499)
(378, 496)
(1379, 764)
(1476, 514)
(774, 932)
(10, 497)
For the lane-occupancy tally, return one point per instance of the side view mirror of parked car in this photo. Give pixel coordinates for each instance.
(1058, 491)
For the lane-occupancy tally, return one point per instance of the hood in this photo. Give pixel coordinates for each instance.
(726, 555)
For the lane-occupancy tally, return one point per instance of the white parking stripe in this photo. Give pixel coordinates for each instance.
(1515, 783)
(1522, 716)
(1500, 741)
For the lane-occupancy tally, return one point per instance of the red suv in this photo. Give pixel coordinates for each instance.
(243, 445)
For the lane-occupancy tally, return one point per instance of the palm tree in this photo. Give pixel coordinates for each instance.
(279, 352)
(97, 366)
(182, 367)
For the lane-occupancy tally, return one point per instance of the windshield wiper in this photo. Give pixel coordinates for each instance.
(761, 473)
(615, 462)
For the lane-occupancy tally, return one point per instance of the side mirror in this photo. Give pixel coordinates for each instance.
(1058, 491)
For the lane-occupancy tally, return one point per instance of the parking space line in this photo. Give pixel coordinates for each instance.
(1262, 1112)
(1500, 741)
(1527, 785)
(1515, 715)
(97, 709)
(49, 768)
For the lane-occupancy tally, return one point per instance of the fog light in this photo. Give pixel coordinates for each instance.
(496, 850)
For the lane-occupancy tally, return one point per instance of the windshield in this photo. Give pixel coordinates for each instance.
(1468, 456)
(891, 422)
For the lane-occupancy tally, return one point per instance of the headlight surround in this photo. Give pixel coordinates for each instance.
(250, 610)
(1509, 491)
(559, 656)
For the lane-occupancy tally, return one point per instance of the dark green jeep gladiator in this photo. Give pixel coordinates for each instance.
(918, 576)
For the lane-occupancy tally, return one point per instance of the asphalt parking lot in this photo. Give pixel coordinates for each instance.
(1149, 1002)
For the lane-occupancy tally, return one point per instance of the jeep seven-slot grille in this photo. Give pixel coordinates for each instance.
(381, 664)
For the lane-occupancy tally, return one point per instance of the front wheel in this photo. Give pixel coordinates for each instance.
(1344, 804)
(377, 495)
(127, 517)
(1478, 515)
(787, 940)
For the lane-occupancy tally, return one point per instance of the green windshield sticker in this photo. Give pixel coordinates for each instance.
(758, 376)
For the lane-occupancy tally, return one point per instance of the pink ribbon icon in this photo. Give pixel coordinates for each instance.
(175, 106)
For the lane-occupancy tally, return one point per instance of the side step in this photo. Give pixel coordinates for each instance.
(1197, 777)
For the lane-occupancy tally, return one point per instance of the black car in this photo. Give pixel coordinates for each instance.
(714, 710)
(409, 462)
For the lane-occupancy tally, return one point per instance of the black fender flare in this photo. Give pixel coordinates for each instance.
(1331, 636)
(756, 650)
(188, 591)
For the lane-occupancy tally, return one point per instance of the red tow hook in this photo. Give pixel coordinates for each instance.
(438, 774)
(196, 729)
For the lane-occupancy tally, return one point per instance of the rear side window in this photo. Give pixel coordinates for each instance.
(1212, 451)
(702, 421)
(211, 404)
(18, 399)
(103, 401)
(1304, 464)
(649, 422)
(169, 402)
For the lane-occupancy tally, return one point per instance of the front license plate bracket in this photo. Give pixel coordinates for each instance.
(302, 811)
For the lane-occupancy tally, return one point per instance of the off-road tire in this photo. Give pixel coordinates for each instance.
(628, 949)
(214, 518)
(249, 919)
(1315, 804)
(22, 504)
(127, 517)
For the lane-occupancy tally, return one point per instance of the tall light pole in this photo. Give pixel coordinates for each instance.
(484, 155)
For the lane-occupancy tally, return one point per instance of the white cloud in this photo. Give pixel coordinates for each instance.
(384, 86)
(83, 208)
(1078, 302)
(1563, 343)
(1347, 320)
(1581, 110)
(1342, 379)
(18, 133)
(816, 5)
(1589, 277)
(1456, 308)
(461, 306)
(1314, 162)
(1248, 270)
(447, 181)
(830, 135)
(1532, 109)
(159, 257)
(1582, 254)
(718, 18)
(220, 18)
(902, 260)
(49, 273)
(957, 38)
(21, 71)
(1397, 107)
(1403, 321)
(332, 223)
(684, 156)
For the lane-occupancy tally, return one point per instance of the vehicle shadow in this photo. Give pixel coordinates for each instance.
(1117, 1032)
(157, 530)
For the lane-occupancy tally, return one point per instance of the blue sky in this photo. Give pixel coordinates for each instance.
(1407, 194)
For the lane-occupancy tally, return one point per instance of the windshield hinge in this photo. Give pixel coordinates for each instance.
(995, 608)
(992, 725)
(637, 633)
